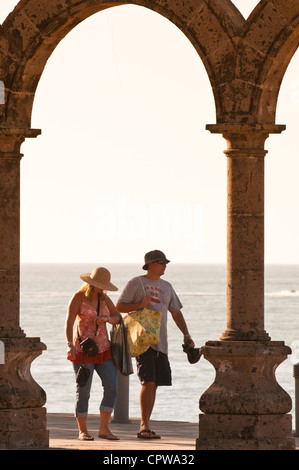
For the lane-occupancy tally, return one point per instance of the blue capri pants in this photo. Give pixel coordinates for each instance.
(108, 375)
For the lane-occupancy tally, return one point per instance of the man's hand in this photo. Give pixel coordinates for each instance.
(146, 301)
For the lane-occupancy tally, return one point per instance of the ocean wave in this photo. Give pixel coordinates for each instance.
(283, 293)
(113, 294)
(200, 294)
(45, 294)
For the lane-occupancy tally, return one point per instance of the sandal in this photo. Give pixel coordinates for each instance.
(109, 437)
(84, 436)
(150, 434)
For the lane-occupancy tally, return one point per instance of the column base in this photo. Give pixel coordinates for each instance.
(237, 432)
(245, 382)
(23, 429)
(18, 388)
(22, 416)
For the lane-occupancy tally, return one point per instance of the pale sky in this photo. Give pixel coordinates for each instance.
(124, 164)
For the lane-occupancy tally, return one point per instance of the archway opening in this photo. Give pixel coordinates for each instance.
(124, 165)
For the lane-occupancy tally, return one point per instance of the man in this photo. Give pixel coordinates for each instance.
(153, 367)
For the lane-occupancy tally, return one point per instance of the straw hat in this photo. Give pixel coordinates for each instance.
(100, 277)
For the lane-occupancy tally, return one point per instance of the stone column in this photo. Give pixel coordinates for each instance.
(22, 418)
(245, 407)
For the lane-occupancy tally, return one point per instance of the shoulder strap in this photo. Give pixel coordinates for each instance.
(98, 312)
(142, 285)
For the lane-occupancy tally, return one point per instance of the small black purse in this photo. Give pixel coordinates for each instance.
(89, 346)
(82, 375)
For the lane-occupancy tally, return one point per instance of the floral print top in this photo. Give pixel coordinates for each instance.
(87, 325)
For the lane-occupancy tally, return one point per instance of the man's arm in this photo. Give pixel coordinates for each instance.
(127, 308)
(181, 324)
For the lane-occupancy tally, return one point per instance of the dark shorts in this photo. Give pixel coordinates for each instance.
(153, 366)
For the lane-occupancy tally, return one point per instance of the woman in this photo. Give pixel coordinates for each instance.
(93, 310)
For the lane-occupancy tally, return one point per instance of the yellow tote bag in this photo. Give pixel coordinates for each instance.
(143, 328)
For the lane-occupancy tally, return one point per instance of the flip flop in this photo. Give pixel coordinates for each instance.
(155, 436)
(141, 434)
(109, 437)
(84, 436)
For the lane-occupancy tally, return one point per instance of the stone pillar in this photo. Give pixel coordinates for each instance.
(22, 418)
(245, 407)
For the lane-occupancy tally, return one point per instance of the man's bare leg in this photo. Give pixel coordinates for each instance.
(147, 401)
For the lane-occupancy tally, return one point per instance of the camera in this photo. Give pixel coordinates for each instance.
(89, 347)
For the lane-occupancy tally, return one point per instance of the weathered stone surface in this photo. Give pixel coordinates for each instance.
(18, 389)
(245, 380)
(23, 428)
(237, 432)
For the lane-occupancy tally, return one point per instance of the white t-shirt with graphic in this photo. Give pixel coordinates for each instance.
(163, 298)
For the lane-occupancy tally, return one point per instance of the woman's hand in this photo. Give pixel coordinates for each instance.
(114, 317)
(71, 351)
(102, 319)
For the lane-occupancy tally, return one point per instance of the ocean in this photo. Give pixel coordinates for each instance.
(47, 288)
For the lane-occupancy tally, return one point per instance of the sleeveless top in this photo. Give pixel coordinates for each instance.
(86, 322)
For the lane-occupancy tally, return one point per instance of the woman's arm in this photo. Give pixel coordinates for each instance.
(114, 313)
(72, 311)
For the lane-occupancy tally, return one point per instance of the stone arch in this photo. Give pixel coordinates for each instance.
(245, 60)
(29, 36)
(272, 34)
